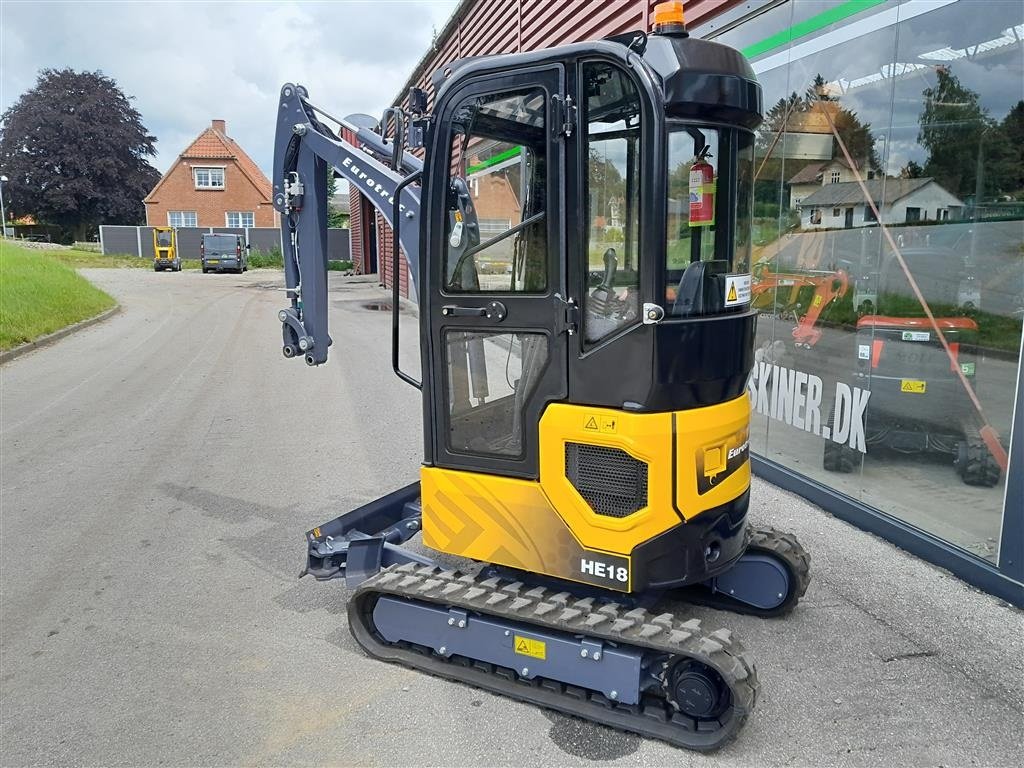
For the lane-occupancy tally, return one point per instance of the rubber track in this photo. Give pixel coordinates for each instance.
(527, 607)
(766, 541)
(980, 468)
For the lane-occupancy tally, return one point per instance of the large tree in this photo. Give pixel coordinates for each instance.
(336, 218)
(912, 170)
(1008, 151)
(953, 128)
(75, 153)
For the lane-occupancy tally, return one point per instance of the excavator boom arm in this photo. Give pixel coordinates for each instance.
(305, 151)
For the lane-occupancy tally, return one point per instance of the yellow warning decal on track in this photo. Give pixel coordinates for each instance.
(913, 385)
(526, 646)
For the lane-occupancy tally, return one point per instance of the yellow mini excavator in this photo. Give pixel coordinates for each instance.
(578, 238)
(165, 249)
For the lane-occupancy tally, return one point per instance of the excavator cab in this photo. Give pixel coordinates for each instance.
(577, 236)
(585, 310)
(165, 249)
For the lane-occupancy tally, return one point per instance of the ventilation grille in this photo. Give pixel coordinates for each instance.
(611, 481)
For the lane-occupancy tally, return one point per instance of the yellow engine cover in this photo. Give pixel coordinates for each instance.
(696, 460)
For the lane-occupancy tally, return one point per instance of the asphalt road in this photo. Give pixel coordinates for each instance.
(159, 470)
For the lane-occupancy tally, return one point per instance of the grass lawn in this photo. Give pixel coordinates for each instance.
(79, 259)
(40, 294)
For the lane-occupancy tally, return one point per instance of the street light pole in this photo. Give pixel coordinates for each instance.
(3, 215)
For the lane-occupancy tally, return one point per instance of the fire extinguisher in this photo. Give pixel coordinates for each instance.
(702, 191)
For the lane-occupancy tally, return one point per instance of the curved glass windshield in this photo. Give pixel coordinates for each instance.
(744, 202)
(692, 170)
(708, 220)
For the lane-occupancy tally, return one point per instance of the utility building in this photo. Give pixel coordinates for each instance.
(898, 201)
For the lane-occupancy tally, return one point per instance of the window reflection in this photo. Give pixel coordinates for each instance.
(496, 228)
(611, 149)
(887, 250)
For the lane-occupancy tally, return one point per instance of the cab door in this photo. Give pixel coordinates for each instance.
(610, 163)
(496, 320)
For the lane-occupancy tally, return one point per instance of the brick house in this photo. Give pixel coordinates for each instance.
(811, 178)
(213, 183)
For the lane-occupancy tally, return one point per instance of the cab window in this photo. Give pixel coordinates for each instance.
(692, 155)
(708, 223)
(496, 230)
(611, 156)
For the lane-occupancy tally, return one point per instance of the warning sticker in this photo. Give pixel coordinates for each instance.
(526, 646)
(913, 385)
(737, 290)
(595, 423)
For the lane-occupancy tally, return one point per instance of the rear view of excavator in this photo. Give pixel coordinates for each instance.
(578, 235)
(921, 385)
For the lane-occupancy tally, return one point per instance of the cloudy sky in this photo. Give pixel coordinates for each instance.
(188, 62)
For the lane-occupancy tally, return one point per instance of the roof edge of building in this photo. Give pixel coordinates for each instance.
(261, 184)
(457, 16)
(825, 201)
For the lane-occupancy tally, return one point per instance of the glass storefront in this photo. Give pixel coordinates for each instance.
(888, 253)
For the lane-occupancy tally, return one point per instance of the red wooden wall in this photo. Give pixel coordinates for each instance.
(488, 27)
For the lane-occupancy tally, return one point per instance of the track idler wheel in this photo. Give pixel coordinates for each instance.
(768, 580)
(696, 690)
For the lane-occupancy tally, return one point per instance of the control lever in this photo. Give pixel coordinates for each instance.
(455, 240)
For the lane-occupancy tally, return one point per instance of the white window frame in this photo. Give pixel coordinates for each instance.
(192, 216)
(196, 169)
(242, 216)
(836, 176)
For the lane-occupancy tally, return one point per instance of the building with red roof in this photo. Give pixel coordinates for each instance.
(213, 183)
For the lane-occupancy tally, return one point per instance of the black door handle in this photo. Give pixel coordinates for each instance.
(495, 310)
(453, 311)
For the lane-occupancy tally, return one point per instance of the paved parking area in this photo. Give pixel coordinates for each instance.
(158, 473)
